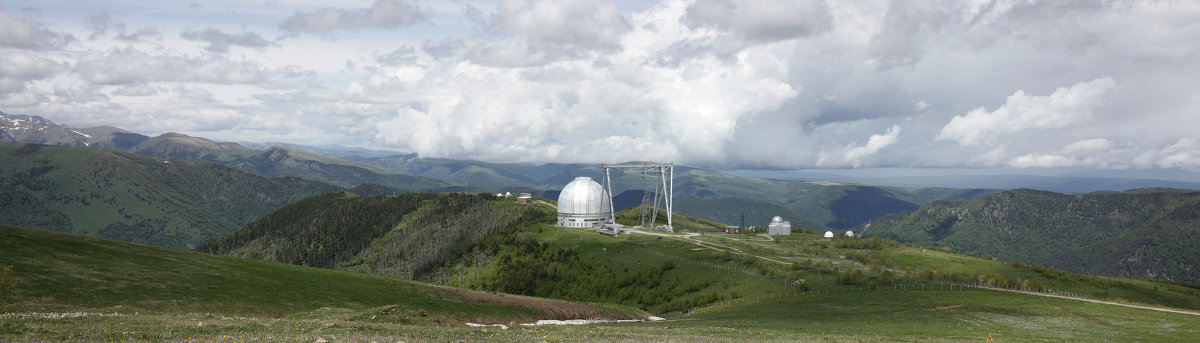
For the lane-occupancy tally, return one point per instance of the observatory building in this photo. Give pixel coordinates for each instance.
(779, 227)
(583, 204)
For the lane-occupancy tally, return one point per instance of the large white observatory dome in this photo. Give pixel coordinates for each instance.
(583, 203)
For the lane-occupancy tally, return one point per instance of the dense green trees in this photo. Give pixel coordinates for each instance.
(407, 235)
(1153, 233)
(526, 266)
(135, 198)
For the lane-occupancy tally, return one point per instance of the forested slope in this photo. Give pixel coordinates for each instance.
(406, 235)
(130, 197)
(1152, 233)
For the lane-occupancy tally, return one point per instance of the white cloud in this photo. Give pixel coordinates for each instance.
(1089, 145)
(856, 156)
(26, 67)
(535, 33)
(220, 42)
(725, 84)
(17, 69)
(761, 21)
(1021, 112)
(27, 33)
(136, 90)
(569, 23)
(1183, 154)
(1043, 161)
(384, 14)
(135, 66)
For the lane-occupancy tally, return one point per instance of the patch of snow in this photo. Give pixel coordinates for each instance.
(81, 134)
(502, 326)
(573, 322)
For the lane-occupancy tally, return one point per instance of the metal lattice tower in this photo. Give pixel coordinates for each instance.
(665, 173)
(648, 198)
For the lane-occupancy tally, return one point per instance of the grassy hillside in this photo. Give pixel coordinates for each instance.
(702, 270)
(61, 272)
(1151, 233)
(125, 196)
(406, 235)
(712, 288)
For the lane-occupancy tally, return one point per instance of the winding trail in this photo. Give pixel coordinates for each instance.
(1144, 307)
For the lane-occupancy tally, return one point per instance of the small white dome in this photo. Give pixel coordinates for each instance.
(849, 233)
(777, 219)
(828, 234)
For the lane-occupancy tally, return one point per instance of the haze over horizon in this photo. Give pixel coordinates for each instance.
(1004, 85)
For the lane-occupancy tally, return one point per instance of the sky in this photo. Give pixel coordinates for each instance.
(726, 84)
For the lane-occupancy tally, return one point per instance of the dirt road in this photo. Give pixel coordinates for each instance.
(1162, 309)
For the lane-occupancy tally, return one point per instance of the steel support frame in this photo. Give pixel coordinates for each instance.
(666, 176)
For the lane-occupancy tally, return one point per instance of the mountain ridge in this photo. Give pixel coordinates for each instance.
(1151, 233)
(131, 197)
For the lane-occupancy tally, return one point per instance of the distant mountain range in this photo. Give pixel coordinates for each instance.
(271, 161)
(1066, 182)
(1152, 233)
(699, 192)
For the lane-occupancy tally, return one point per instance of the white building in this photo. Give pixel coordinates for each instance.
(849, 233)
(583, 204)
(779, 227)
(828, 234)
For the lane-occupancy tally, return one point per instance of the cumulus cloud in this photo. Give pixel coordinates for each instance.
(1066, 106)
(27, 33)
(194, 94)
(535, 33)
(18, 69)
(26, 67)
(220, 42)
(713, 83)
(760, 20)
(384, 14)
(575, 23)
(856, 156)
(1184, 154)
(135, 66)
(100, 23)
(135, 90)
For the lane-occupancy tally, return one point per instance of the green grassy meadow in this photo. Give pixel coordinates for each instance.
(72, 288)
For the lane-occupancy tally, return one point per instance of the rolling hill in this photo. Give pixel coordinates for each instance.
(131, 197)
(66, 272)
(1152, 233)
(407, 235)
(710, 287)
